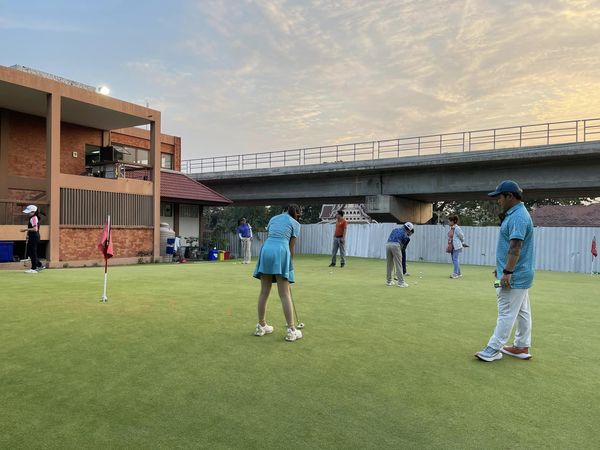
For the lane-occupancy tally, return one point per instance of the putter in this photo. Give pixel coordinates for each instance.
(299, 324)
(25, 259)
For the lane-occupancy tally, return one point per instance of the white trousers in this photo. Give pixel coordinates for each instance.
(246, 246)
(513, 306)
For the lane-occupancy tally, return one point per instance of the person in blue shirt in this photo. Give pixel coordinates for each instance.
(399, 239)
(515, 267)
(244, 231)
(275, 266)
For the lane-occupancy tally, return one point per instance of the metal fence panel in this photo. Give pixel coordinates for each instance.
(566, 249)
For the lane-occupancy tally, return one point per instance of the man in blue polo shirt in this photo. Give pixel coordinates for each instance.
(514, 271)
(244, 231)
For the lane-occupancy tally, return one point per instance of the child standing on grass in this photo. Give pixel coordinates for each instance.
(33, 238)
(275, 266)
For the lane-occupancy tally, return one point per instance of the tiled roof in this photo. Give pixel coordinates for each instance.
(567, 216)
(178, 186)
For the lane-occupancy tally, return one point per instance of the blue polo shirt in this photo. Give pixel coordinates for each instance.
(245, 230)
(517, 225)
(399, 236)
(283, 226)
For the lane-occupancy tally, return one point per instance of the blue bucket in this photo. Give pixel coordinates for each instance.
(213, 255)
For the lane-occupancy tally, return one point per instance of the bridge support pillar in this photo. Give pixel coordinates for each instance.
(389, 208)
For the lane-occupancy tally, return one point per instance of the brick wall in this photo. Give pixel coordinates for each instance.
(81, 243)
(177, 150)
(73, 139)
(27, 146)
(25, 194)
(140, 142)
(132, 141)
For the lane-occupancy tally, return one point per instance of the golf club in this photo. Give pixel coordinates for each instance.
(298, 323)
(25, 259)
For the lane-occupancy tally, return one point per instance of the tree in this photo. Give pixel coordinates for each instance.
(485, 212)
(311, 214)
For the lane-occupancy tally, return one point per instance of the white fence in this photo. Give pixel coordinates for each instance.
(557, 249)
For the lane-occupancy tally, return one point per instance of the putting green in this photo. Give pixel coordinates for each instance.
(170, 361)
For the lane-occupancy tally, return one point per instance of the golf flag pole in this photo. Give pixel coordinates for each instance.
(594, 254)
(106, 247)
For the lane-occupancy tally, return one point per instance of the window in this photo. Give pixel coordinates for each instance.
(143, 157)
(132, 155)
(92, 154)
(166, 209)
(166, 161)
(189, 211)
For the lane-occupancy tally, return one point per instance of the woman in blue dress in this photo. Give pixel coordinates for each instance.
(275, 266)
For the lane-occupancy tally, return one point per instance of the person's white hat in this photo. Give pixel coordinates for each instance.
(409, 226)
(30, 209)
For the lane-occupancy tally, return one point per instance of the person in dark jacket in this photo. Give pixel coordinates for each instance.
(33, 238)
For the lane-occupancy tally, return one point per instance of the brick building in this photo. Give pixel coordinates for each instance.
(78, 155)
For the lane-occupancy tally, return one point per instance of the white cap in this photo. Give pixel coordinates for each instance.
(30, 209)
(409, 226)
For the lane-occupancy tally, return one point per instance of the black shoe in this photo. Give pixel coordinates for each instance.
(342, 264)
(332, 265)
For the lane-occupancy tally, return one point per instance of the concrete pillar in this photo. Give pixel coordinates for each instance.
(176, 218)
(53, 118)
(388, 208)
(3, 154)
(155, 163)
(200, 225)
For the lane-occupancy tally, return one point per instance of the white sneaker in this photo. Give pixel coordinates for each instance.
(389, 283)
(455, 275)
(31, 271)
(261, 331)
(293, 335)
(404, 284)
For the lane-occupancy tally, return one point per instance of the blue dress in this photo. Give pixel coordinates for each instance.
(275, 257)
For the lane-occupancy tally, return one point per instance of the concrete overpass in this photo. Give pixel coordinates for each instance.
(405, 187)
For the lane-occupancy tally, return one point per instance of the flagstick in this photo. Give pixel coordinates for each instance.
(104, 297)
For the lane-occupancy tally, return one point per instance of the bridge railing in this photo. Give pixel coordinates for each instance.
(565, 132)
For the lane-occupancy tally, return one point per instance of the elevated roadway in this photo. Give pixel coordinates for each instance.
(546, 171)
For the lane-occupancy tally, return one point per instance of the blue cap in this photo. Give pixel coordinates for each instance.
(507, 186)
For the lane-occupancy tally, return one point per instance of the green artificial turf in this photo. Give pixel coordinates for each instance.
(170, 361)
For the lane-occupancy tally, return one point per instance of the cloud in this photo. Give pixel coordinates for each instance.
(264, 75)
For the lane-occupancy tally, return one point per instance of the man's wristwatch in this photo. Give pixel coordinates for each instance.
(507, 272)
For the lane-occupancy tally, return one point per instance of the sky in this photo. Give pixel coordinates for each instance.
(242, 76)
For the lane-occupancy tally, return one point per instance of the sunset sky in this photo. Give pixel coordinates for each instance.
(236, 77)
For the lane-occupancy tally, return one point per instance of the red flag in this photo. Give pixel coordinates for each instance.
(105, 244)
(594, 249)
